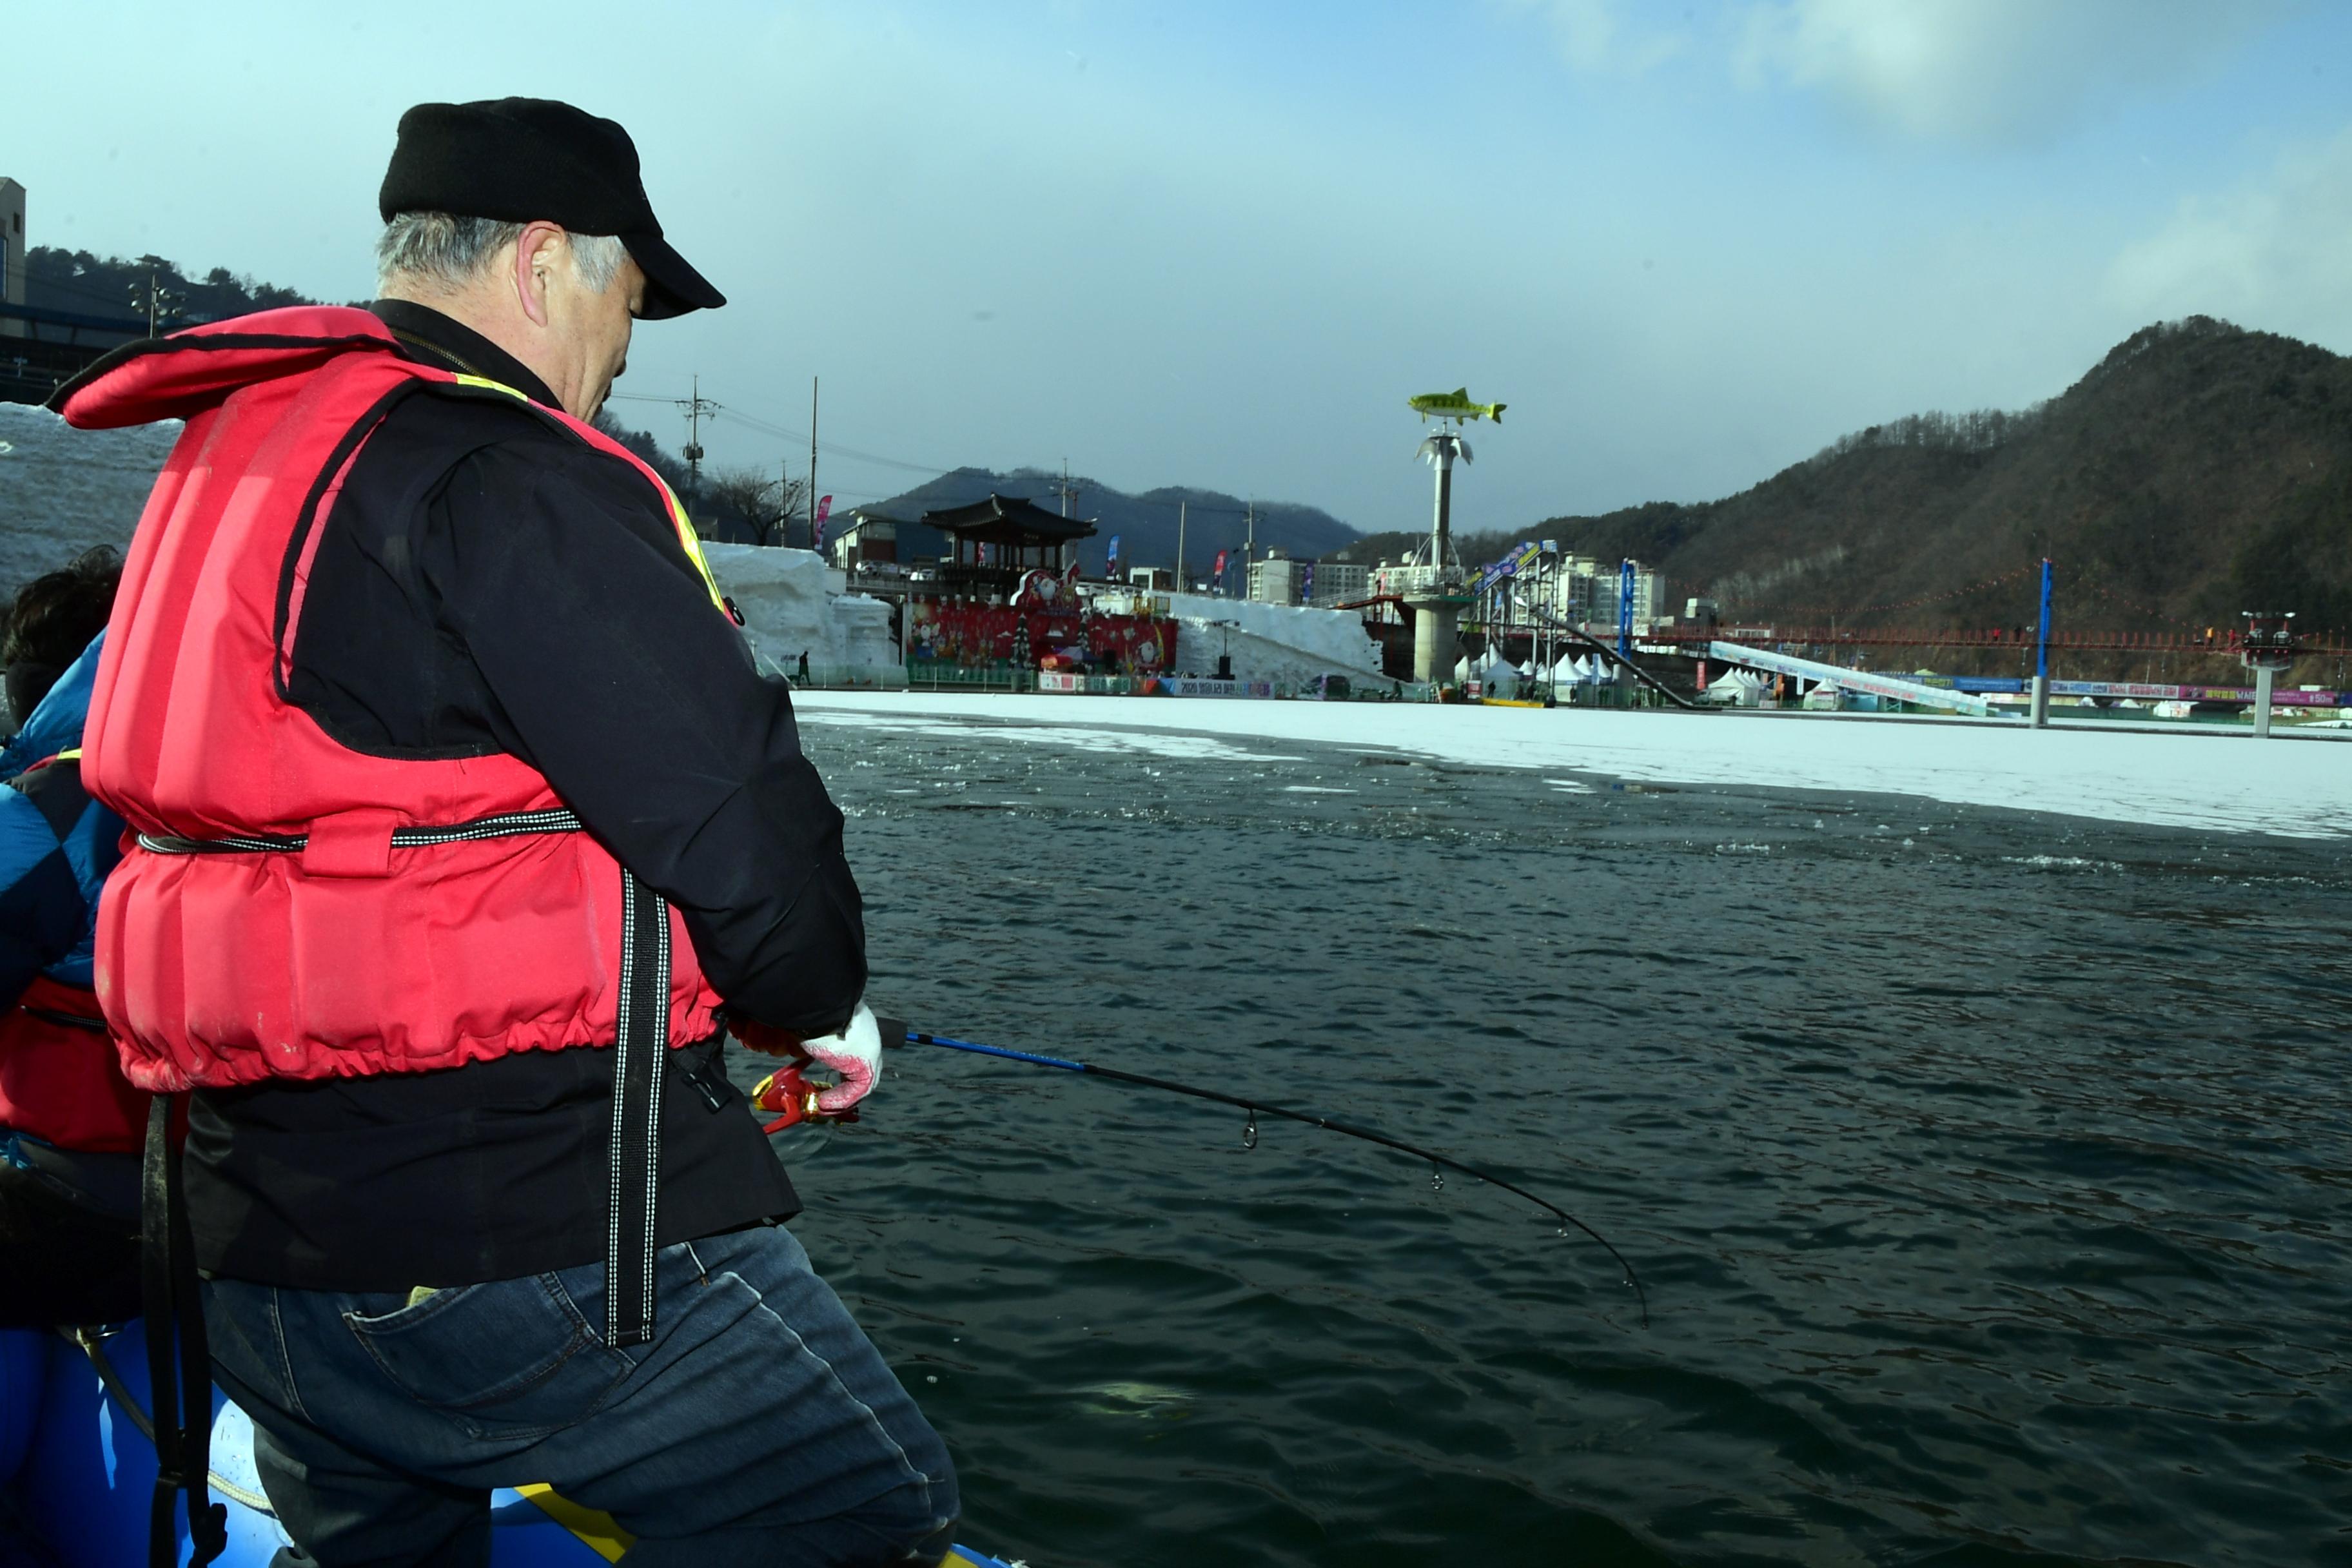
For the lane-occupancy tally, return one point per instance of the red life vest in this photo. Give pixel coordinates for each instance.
(348, 953)
(59, 1080)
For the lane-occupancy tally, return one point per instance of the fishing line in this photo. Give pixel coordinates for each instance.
(1256, 1108)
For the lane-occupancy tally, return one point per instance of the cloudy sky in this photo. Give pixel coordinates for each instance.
(1219, 244)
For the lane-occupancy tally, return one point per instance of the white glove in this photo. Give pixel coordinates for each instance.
(856, 1054)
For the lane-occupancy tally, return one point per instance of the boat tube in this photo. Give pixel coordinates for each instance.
(78, 1470)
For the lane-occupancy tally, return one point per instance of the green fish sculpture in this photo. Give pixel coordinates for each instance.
(1454, 405)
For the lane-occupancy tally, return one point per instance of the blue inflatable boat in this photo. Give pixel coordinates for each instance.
(77, 1467)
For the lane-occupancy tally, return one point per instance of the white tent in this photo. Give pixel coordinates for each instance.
(1461, 669)
(1498, 675)
(1737, 687)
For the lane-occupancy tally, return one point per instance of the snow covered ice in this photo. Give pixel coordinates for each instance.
(2292, 787)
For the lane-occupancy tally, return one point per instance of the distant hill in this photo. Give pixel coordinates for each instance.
(2196, 471)
(90, 285)
(1145, 524)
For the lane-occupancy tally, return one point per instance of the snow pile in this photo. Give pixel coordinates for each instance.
(789, 609)
(1271, 642)
(63, 490)
(2298, 787)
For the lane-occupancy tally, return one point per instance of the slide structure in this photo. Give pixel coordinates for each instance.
(1846, 680)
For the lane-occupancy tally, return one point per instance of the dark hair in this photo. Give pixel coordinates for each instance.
(53, 619)
(57, 613)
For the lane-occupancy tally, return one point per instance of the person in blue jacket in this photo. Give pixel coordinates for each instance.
(70, 1125)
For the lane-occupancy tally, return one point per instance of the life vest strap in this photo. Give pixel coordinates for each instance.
(173, 1304)
(507, 825)
(640, 1046)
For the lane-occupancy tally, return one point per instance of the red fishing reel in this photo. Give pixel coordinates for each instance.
(790, 1096)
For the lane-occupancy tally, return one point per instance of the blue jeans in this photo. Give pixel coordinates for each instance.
(759, 1426)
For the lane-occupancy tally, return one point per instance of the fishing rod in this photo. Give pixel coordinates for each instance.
(1255, 1107)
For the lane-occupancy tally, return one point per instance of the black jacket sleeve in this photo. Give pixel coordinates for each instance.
(618, 678)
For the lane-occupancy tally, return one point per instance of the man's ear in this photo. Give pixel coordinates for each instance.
(538, 250)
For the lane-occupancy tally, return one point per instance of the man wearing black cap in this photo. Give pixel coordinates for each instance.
(447, 1247)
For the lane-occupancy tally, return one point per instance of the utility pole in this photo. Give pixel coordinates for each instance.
(1181, 586)
(812, 495)
(1249, 546)
(696, 408)
(1066, 491)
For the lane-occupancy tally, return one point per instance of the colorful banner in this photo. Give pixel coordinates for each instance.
(1307, 584)
(1110, 560)
(947, 632)
(1200, 686)
(824, 510)
(2146, 691)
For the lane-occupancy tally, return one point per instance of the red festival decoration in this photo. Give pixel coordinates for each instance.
(945, 632)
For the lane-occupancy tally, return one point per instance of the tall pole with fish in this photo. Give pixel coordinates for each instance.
(1437, 608)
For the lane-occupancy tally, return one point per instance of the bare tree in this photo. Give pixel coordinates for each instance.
(765, 503)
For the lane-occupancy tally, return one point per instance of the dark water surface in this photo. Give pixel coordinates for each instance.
(1988, 1171)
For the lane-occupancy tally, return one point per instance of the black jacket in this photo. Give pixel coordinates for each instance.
(486, 583)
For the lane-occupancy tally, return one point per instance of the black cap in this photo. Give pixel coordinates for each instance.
(521, 160)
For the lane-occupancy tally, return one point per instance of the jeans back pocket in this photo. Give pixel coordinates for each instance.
(512, 1358)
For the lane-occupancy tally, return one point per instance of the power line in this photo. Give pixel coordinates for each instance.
(784, 432)
(733, 413)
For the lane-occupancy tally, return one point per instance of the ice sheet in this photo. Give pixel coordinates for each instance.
(1190, 747)
(2293, 787)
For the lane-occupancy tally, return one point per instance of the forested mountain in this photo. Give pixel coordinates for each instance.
(1145, 524)
(2196, 471)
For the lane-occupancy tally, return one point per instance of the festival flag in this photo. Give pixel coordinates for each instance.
(1221, 569)
(1307, 584)
(1110, 563)
(824, 510)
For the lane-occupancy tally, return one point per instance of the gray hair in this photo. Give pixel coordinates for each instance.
(448, 252)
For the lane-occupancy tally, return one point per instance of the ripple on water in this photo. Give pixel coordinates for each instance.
(1989, 1192)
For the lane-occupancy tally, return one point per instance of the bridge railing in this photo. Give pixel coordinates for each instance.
(2220, 642)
